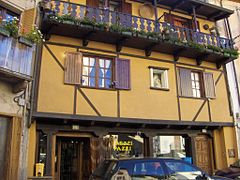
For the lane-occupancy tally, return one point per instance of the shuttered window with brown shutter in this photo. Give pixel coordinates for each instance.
(209, 85)
(72, 74)
(92, 3)
(126, 7)
(122, 74)
(185, 82)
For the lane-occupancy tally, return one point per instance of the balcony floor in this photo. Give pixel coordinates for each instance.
(161, 46)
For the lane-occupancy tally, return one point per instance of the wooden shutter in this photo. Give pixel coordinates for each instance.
(122, 73)
(185, 82)
(126, 7)
(73, 67)
(168, 18)
(92, 3)
(28, 20)
(209, 85)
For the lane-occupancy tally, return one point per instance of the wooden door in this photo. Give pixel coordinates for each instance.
(203, 153)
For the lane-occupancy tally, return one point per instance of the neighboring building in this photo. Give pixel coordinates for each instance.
(113, 83)
(16, 70)
(233, 68)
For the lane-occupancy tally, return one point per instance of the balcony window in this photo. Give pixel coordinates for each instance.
(7, 15)
(97, 72)
(111, 5)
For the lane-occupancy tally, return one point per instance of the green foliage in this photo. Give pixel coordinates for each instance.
(35, 36)
(233, 52)
(67, 17)
(87, 21)
(12, 27)
(214, 48)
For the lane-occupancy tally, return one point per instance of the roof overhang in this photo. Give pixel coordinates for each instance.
(203, 9)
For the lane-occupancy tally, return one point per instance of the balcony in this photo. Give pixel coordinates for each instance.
(16, 60)
(94, 24)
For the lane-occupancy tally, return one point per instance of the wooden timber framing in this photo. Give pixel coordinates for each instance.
(176, 64)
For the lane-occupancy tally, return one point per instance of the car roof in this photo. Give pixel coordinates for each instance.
(143, 158)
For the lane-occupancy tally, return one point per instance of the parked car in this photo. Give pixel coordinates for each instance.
(150, 168)
(233, 171)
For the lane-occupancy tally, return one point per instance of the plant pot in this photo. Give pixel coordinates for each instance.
(217, 52)
(142, 35)
(234, 56)
(99, 28)
(25, 41)
(68, 22)
(127, 33)
(4, 32)
(226, 54)
(88, 26)
(209, 51)
(153, 38)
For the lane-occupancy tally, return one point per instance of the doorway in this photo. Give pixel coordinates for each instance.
(72, 158)
(203, 147)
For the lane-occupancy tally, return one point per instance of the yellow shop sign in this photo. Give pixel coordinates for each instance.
(123, 146)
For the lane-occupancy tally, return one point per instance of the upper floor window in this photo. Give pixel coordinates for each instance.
(113, 5)
(159, 78)
(7, 15)
(97, 72)
(197, 84)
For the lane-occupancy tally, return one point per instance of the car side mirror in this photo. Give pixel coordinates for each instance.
(121, 174)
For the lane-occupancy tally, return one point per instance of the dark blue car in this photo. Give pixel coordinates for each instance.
(151, 168)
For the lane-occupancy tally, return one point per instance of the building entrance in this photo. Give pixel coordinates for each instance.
(72, 158)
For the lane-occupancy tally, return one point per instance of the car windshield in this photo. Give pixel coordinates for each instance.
(104, 168)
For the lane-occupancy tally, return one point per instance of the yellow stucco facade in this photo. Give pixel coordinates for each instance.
(140, 102)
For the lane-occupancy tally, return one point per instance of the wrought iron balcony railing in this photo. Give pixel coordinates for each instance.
(15, 57)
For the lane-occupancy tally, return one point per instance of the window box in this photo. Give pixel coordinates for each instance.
(209, 51)
(226, 54)
(87, 26)
(25, 41)
(153, 38)
(68, 22)
(142, 35)
(127, 33)
(4, 32)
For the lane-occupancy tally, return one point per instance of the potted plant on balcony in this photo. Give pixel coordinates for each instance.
(33, 37)
(231, 53)
(153, 35)
(142, 34)
(101, 26)
(215, 49)
(67, 19)
(115, 28)
(87, 23)
(128, 31)
(11, 27)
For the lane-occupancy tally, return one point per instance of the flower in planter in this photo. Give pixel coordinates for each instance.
(35, 36)
(12, 27)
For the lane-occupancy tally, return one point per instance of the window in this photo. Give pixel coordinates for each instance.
(196, 84)
(6, 14)
(159, 78)
(177, 166)
(111, 5)
(97, 72)
(148, 168)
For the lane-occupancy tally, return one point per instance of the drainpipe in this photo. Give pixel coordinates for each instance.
(195, 18)
(156, 14)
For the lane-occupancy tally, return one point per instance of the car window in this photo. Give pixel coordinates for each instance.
(177, 166)
(148, 168)
(104, 168)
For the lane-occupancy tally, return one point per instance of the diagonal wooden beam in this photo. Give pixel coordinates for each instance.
(54, 57)
(200, 109)
(89, 101)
